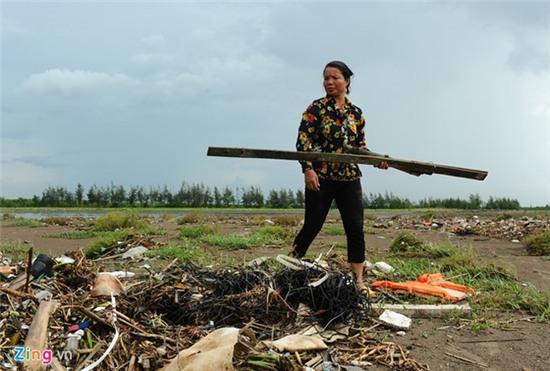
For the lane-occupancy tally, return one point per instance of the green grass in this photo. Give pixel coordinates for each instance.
(8, 216)
(196, 231)
(192, 218)
(408, 245)
(107, 241)
(340, 244)
(16, 250)
(264, 236)
(186, 251)
(118, 220)
(370, 230)
(496, 284)
(334, 230)
(12, 221)
(538, 243)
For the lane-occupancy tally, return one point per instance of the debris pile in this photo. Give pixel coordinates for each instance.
(78, 313)
(501, 228)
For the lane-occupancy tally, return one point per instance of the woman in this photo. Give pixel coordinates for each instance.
(328, 124)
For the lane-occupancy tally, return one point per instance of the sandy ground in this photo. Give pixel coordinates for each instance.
(523, 345)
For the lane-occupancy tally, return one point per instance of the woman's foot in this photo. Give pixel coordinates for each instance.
(364, 290)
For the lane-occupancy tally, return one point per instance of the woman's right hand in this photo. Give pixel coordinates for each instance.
(312, 180)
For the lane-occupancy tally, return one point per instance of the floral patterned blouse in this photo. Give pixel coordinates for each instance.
(325, 128)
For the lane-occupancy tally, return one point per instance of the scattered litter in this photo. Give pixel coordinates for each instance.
(297, 343)
(42, 265)
(213, 352)
(395, 320)
(106, 284)
(426, 310)
(429, 285)
(340, 332)
(122, 274)
(44, 294)
(383, 267)
(135, 252)
(63, 259)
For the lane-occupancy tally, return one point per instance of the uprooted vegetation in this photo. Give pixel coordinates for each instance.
(538, 243)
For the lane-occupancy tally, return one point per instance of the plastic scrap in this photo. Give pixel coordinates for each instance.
(213, 352)
(42, 265)
(63, 259)
(383, 267)
(297, 343)
(429, 285)
(395, 320)
(122, 274)
(135, 252)
(106, 284)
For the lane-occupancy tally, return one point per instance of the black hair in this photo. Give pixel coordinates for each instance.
(344, 69)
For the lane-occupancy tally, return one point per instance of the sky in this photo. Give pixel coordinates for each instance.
(134, 93)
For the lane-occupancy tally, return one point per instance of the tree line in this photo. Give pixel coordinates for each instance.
(200, 195)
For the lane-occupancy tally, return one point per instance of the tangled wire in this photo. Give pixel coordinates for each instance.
(232, 297)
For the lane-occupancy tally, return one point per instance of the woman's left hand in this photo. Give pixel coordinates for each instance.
(382, 165)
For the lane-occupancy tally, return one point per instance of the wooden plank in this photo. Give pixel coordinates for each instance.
(37, 337)
(18, 282)
(411, 167)
(426, 310)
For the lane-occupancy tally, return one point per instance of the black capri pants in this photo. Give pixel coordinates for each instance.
(349, 199)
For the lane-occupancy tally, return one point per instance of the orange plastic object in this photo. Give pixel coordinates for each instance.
(429, 285)
(436, 279)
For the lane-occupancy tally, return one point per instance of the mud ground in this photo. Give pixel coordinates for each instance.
(522, 344)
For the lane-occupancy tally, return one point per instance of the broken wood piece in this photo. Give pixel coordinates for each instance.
(90, 315)
(28, 271)
(38, 333)
(19, 294)
(484, 365)
(411, 167)
(19, 282)
(56, 365)
(426, 310)
(491, 340)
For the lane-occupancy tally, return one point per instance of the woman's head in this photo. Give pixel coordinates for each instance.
(337, 78)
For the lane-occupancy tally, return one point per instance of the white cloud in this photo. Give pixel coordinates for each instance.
(226, 75)
(153, 59)
(11, 28)
(67, 82)
(156, 39)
